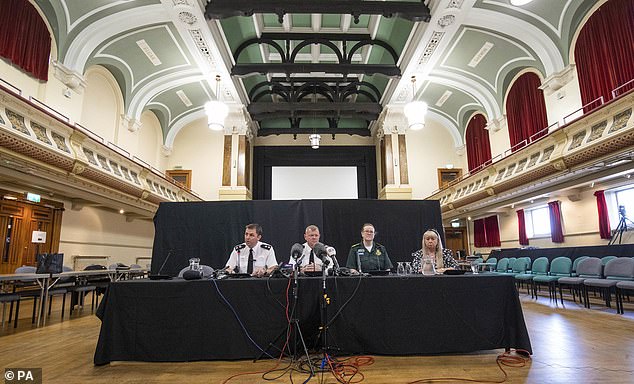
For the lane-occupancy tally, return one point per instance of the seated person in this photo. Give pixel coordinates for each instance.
(372, 255)
(309, 261)
(253, 256)
(432, 247)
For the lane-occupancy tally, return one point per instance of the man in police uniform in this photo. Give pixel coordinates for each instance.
(310, 261)
(253, 256)
(372, 255)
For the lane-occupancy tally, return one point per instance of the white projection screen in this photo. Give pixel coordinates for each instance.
(294, 183)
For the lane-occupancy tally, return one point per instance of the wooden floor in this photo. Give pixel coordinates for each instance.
(570, 345)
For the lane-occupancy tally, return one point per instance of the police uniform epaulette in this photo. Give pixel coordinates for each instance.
(265, 246)
(240, 246)
(357, 244)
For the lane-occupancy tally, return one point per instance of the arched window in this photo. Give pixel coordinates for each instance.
(477, 139)
(526, 111)
(24, 37)
(604, 53)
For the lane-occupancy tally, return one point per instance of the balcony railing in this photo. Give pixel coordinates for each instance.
(102, 161)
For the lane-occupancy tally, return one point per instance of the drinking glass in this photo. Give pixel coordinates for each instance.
(194, 263)
(400, 268)
(474, 267)
(408, 268)
(428, 267)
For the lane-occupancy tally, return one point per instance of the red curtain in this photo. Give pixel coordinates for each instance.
(604, 220)
(486, 232)
(492, 231)
(604, 53)
(521, 227)
(479, 235)
(525, 109)
(477, 138)
(556, 231)
(24, 38)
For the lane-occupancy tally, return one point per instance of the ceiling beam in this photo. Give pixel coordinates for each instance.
(244, 70)
(413, 11)
(364, 132)
(332, 109)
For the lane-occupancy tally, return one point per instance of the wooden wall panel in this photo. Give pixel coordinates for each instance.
(402, 159)
(242, 143)
(226, 162)
(388, 176)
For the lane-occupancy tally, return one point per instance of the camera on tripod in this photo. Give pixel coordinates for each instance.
(622, 210)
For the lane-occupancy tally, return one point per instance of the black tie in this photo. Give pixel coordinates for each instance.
(250, 264)
(311, 260)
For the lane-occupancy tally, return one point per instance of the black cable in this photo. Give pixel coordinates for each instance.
(268, 287)
(345, 303)
(246, 332)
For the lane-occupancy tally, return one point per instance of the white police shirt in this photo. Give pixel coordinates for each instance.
(306, 257)
(263, 257)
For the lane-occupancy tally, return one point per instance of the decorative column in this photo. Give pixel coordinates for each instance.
(392, 146)
(236, 162)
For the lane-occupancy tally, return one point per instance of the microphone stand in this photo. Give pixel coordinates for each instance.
(295, 321)
(293, 324)
(325, 300)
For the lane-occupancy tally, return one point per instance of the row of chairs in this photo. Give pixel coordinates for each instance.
(29, 290)
(607, 275)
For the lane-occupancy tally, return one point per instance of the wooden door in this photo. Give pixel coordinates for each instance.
(456, 239)
(18, 220)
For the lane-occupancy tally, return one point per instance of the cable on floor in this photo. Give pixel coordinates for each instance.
(516, 359)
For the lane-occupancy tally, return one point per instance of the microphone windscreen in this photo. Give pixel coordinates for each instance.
(331, 251)
(191, 274)
(320, 250)
(296, 250)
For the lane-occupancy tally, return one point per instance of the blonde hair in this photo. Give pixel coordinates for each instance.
(438, 252)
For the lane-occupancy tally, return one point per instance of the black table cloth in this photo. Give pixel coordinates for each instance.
(179, 320)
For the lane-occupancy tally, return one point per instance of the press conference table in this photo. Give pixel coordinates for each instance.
(179, 320)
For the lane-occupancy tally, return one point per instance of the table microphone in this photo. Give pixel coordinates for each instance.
(191, 274)
(158, 275)
(359, 253)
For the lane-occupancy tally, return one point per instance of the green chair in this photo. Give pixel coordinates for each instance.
(502, 265)
(539, 267)
(489, 264)
(605, 259)
(519, 266)
(559, 267)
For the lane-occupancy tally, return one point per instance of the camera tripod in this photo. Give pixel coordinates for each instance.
(622, 227)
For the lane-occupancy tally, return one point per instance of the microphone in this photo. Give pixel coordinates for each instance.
(320, 250)
(296, 250)
(359, 253)
(158, 275)
(332, 252)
